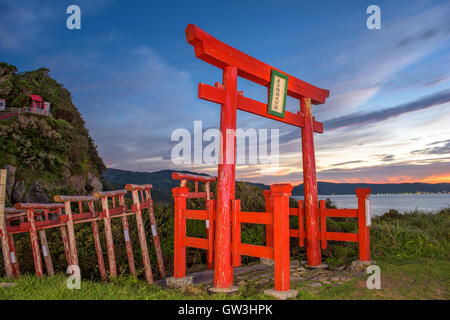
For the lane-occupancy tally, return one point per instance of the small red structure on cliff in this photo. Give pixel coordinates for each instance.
(38, 105)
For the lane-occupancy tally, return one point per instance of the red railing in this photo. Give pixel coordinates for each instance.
(142, 200)
(184, 178)
(35, 218)
(181, 240)
(278, 218)
(363, 216)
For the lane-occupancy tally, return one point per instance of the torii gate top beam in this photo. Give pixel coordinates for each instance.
(220, 55)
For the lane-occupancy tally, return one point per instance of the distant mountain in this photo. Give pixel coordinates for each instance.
(326, 188)
(162, 183)
(161, 180)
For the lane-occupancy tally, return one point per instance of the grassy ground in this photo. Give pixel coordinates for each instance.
(418, 279)
(411, 251)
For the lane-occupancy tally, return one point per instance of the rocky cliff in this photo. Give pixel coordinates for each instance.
(45, 155)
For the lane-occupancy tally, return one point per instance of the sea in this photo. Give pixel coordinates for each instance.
(402, 202)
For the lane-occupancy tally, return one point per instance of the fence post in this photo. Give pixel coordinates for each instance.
(236, 236)
(179, 278)
(13, 255)
(46, 253)
(269, 227)
(3, 228)
(71, 233)
(280, 196)
(323, 223)
(209, 223)
(301, 224)
(65, 240)
(97, 244)
(363, 228)
(126, 235)
(35, 244)
(142, 238)
(180, 196)
(211, 212)
(109, 238)
(154, 227)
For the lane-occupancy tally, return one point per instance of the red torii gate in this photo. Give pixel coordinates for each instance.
(235, 63)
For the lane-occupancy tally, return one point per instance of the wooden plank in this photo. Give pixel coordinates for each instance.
(112, 193)
(36, 206)
(217, 95)
(196, 195)
(293, 233)
(341, 213)
(340, 236)
(195, 243)
(191, 177)
(256, 217)
(255, 251)
(61, 198)
(131, 187)
(196, 214)
(219, 54)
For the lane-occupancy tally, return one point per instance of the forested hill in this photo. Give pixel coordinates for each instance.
(44, 155)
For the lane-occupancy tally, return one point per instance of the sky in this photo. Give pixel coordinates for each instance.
(133, 77)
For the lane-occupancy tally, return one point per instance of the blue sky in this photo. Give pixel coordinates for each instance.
(134, 78)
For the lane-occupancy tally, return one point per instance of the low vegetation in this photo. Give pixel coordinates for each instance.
(412, 250)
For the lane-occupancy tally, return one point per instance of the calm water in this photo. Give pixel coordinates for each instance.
(382, 203)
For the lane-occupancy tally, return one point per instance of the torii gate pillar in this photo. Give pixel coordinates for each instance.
(223, 270)
(313, 254)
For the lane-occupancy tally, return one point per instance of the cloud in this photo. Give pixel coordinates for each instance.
(376, 116)
(398, 172)
(444, 149)
(20, 22)
(347, 162)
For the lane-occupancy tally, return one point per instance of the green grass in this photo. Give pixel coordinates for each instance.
(412, 251)
(418, 279)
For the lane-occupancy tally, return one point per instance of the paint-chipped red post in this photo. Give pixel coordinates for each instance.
(126, 234)
(154, 227)
(223, 271)
(313, 253)
(109, 237)
(280, 194)
(64, 238)
(71, 234)
(35, 244)
(363, 227)
(180, 196)
(141, 233)
(97, 244)
(13, 255)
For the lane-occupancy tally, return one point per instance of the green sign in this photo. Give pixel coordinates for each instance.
(277, 94)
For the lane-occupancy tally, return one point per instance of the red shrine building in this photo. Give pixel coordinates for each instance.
(39, 106)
